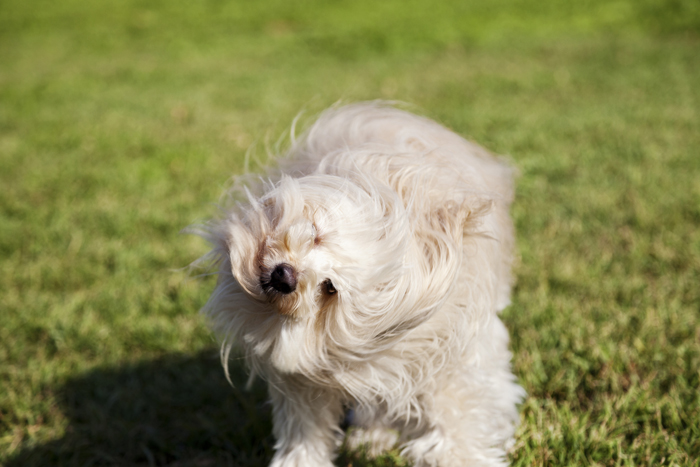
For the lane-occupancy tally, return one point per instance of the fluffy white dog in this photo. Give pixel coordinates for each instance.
(366, 273)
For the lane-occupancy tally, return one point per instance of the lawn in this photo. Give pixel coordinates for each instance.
(121, 123)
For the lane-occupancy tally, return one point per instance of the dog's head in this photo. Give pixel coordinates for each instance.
(327, 268)
(312, 244)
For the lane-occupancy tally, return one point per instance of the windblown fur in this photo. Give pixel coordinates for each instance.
(366, 272)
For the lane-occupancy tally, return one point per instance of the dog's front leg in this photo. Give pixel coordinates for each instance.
(306, 424)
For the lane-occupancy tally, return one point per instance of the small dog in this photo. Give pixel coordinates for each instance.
(365, 275)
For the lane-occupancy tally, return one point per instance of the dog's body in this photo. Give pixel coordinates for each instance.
(367, 273)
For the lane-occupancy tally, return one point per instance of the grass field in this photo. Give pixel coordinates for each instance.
(122, 121)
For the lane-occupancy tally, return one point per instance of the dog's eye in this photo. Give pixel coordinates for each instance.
(328, 287)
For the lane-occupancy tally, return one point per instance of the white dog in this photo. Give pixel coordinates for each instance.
(366, 273)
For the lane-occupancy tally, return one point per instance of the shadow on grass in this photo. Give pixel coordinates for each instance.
(175, 411)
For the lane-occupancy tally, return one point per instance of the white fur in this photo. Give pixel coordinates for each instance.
(410, 223)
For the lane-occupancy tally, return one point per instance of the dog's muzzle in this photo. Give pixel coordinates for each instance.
(283, 279)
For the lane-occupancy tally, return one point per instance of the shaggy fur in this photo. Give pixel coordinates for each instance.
(366, 273)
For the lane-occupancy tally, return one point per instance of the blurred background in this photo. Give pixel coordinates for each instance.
(121, 123)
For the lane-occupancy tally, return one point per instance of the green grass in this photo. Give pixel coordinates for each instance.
(122, 121)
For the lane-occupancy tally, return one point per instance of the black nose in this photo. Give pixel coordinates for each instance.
(283, 278)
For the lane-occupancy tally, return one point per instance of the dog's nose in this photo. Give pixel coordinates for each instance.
(283, 278)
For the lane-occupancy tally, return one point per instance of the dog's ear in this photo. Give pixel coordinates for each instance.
(458, 217)
(243, 231)
(440, 235)
(435, 259)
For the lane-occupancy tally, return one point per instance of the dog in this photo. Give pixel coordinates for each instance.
(363, 275)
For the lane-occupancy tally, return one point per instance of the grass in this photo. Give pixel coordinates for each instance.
(121, 122)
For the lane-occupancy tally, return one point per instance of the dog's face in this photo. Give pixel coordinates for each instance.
(320, 243)
(329, 267)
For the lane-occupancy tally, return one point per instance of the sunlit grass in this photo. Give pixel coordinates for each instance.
(121, 123)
